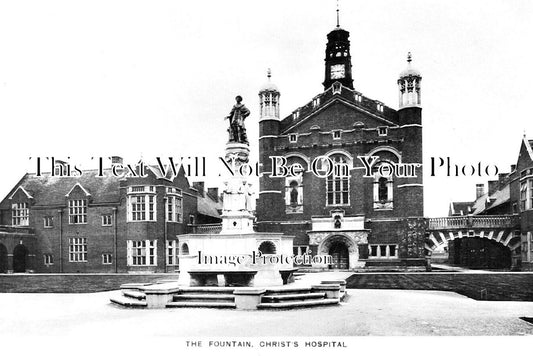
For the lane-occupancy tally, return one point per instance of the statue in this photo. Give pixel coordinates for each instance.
(236, 130)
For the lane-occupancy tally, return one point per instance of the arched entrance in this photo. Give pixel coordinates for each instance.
(475, 252)
(339, 255)
(19, 258)
(3, 259)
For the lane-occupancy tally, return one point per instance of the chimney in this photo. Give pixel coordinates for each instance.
(199, 186)
(513, 167)
(116, 160)
(502, 179)
(213, 193)
(493, 186)
(480, 190)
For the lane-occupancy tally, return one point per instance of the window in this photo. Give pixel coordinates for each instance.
(48, 259)
(383, 251)
(379, 106)
(142, 253)
(337, 88)
(337, 134)
(107, 258)
(172, 253)
(107, 220)
(77, 211)
(358, 97)
(191, 219)
(316, 102)
(383, 189)
(296, 115)
(531, 193)
(337, 183)
(174, 208)
(77, 249)
(20, 214)
(294, 194)
(526, 194)
(48, 222)
(382, 131)
(141, 203)
(301, 250)
(293, 138)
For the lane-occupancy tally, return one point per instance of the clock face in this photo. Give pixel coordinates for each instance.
(337, 71)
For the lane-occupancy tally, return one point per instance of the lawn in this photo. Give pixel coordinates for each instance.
(480, 286)
(73, 283)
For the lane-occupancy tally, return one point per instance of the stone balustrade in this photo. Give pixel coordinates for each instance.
(474, 221)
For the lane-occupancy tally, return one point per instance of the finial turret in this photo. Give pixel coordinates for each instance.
(409, 85)
(338, 24)
(269, 99)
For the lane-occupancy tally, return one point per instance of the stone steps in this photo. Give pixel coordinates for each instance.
(214, 297)
(203, 290)
(298, 296)
(200, 305)
(128, 302)
(134, 294)
(290, 290)
(299, 304)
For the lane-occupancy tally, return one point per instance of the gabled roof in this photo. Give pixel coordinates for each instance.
(20, 187)
(461, 208)
(341, 100)
(347, 96)
(209, 207)
(529, 144)
(48, 190)
(80, 186)
(486, 202)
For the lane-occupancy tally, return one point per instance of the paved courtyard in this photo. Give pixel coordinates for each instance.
(366, 312)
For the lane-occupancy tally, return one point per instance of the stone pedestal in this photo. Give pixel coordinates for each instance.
(332, 290)
(186, 262)
(248, 298)
(158, 295)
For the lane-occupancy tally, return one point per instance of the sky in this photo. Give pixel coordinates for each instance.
(156, 78)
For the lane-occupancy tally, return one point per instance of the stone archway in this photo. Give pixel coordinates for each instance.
(20, 255)
(488, 249)
(184, 249)
(267, 248)
(3, 259)
(342, 249)
(339, 255)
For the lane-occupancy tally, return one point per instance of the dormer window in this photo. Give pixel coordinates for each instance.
(337, 134)
(296, 115)
(358, 97)
(316, 102)
(337, 87)
(379, 106)
(293, 138)
(383, 131)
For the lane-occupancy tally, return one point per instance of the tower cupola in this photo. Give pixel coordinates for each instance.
(338, 59)
(409, 86)
(269, 99)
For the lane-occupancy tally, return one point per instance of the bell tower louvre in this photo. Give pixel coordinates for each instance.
(338, 62)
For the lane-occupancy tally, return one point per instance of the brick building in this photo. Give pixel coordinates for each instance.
(510, 195)
(55, 224)
(360, 214)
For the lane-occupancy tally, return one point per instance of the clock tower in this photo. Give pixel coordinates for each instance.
(338, 59)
